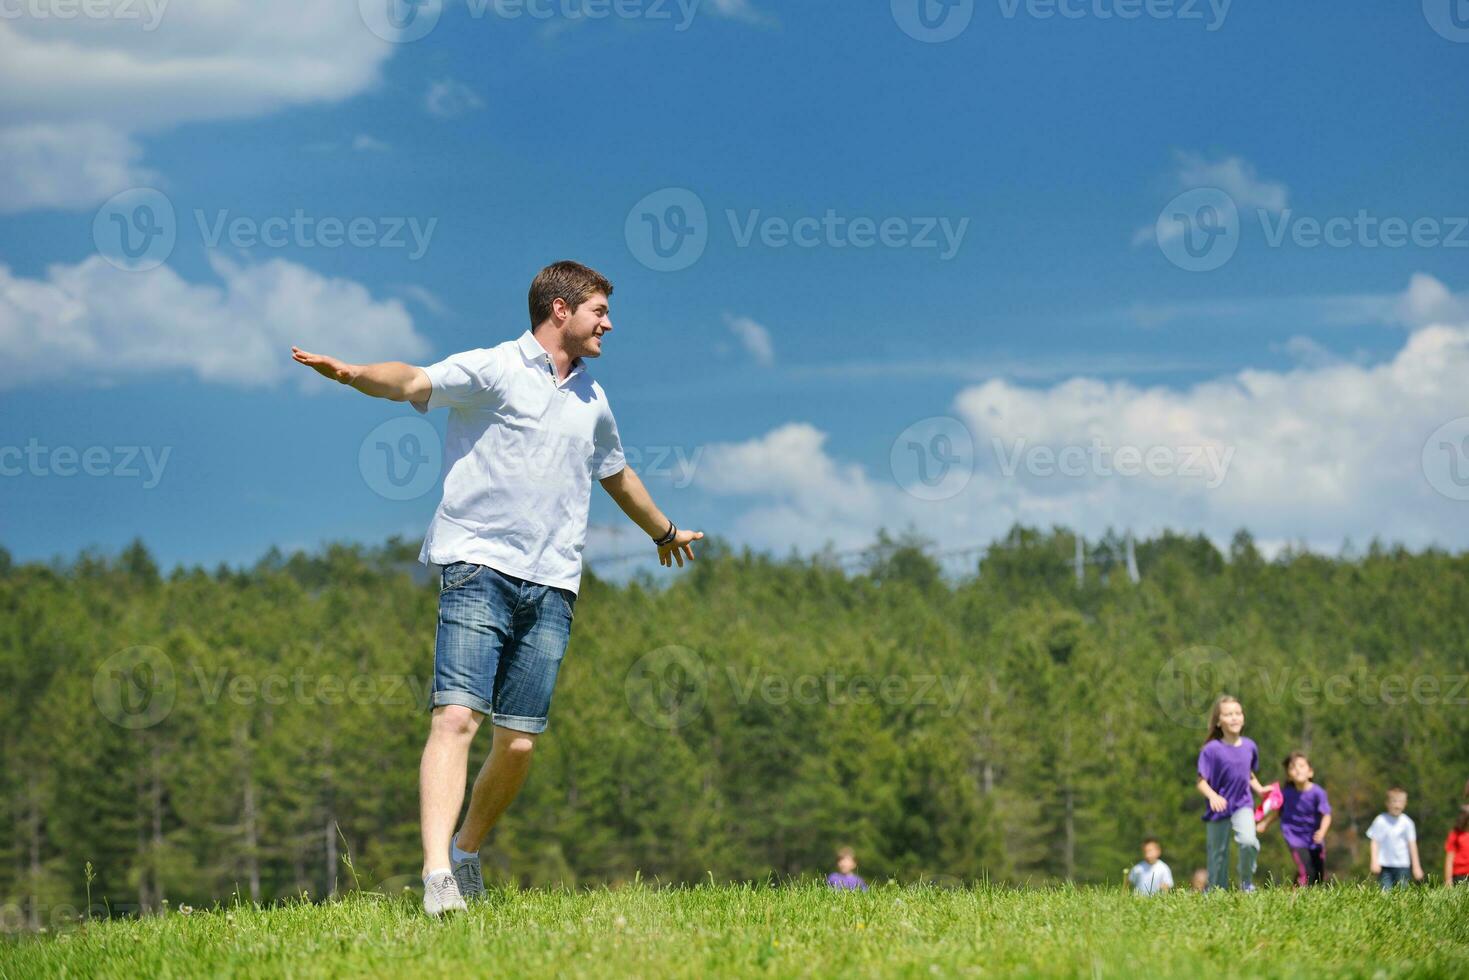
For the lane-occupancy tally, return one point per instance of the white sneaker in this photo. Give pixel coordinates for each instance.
(441, 894)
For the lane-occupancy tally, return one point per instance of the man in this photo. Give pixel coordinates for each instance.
(528, 430)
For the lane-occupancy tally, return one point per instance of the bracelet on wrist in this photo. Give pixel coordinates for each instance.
(668, 537)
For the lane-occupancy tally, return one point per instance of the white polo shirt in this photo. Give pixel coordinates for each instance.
(520, 452)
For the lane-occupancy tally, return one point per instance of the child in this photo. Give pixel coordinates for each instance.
(1456, 849)
(1305, 817)
(844, 877)
(1201, 879)
(1395, 843)
(1227, 765)
(1150, 875)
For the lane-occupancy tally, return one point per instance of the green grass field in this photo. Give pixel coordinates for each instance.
(790, 931)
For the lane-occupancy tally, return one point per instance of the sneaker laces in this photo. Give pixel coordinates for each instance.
(443, 888)
(471, 878)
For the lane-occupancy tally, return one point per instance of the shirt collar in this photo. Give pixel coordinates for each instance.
(532, 351)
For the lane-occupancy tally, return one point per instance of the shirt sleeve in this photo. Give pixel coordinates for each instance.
(1323, 804)
(1166, 878)
(1204, 761)
(607, 458)
(1410, 832)
(472, 379)
(1254, 757)
(1374, 832)
(1451, 844)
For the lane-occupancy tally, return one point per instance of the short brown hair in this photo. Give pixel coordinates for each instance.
(1292, 758)
(567, 280)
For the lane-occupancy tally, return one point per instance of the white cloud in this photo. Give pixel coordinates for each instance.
(97, 83)
(742, 10)
(1319, 453)
(66, 165)
(92, 323)
(753, 337)
(1235, 176)
(364, 143)
(447, 99)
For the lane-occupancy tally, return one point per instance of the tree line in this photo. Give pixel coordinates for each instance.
(189, 736)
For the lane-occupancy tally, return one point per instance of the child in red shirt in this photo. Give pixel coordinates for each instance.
(1456, 850)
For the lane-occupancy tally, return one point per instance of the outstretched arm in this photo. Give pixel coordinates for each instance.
(392, 380)
(627, 489)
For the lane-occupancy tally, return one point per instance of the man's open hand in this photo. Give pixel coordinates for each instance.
(676, 549)
(327, 367)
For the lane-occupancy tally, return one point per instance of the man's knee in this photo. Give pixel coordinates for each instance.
(454, 721)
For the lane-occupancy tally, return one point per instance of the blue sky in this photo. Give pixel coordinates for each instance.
(785, 374)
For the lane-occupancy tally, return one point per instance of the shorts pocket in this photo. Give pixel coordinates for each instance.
(457, 574)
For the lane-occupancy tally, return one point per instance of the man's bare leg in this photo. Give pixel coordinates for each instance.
(499, 779)
(441, 779)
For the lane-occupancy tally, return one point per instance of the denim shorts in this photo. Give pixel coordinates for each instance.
(499, 644)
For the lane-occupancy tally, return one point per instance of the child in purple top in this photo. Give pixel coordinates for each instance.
(1305, 817)
(1227, 765)
(845, 877)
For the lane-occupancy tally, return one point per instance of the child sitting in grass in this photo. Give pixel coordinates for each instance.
(845, 877)
(1150, 875)
(1305, 817)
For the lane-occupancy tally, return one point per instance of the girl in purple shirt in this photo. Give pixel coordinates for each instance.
(1305, 817)
(1227, 765)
